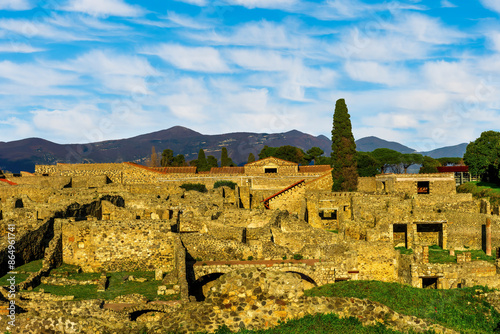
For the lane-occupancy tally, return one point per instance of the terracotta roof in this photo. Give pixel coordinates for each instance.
(174, 170)
(451, 169)
(314, 169)
(227, 170)
(9, 182)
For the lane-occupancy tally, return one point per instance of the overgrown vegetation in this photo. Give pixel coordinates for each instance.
(117, 285)
(458, 309)
(194, 186)
(439, 255)
(225, 183)
(482, 190)
(319, 324)
(404, 250)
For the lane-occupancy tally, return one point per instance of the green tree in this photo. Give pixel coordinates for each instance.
(367, 164)
(410, 159)
(389, 159)
(225, 160)
(449, 161)
(179, 160)
(429, 165)
(483, 156)
(344, 173)
(267, 152)
(212, 162)
(322, 160)
(251, 158)
(167, 157)
(201, 162)
(314, 153)
(291, 153)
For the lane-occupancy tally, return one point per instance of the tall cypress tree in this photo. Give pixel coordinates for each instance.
(224, 158)
(202, 163)
(344, 173)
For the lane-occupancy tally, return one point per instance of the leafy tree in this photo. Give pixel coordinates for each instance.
(225, 160)
(410, 159)
(429, 165)
(167, 157)
(314, 153)
(287, 152)
(251, 158)
(389, 159)
(367, 164)
(267, 152)
(483, 156)
(291, 153)
(179, 161)
(322, 160)
(212, 161)
(451, 161)
(344, 173)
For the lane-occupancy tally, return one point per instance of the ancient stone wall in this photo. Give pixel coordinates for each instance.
(465, 230)
(118, 245)
(367, 184)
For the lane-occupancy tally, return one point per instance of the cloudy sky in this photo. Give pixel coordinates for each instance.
(424, 73)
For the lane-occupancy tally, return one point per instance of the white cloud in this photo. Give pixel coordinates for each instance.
(19, 48)
(493, 5)
(186, 21)
(71, 123)
(195, 2)
(260, 60)
(447, 4)
(15, 5)
(453, 77)
(270, 4)
(203, 59)
(103, 8)
(34, 75)
(31, 29)
(370, 71)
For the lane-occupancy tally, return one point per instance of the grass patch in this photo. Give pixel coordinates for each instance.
(458, 309)
(319, 324)
(404, 250)
(31, 267)
(439, 255)
(225, 183)
(334, 231)
(482, 190)
(116, 284)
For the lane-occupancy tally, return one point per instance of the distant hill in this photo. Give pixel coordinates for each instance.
(368, 144)
(448, 151)
(22, 155)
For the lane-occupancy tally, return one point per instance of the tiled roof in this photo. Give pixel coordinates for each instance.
(227, 170)
(314, 169)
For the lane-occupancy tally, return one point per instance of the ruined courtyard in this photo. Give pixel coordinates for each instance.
(279, 231)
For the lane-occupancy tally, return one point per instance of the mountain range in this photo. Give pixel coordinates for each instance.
(22, 155)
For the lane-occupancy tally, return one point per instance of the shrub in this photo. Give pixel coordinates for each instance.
(297, 257)
(194, 186)
(225, 183)
(250, 258)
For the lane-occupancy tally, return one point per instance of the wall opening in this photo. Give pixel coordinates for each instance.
(308, 282)
(430, 234)
(201, 286)
(400, 235)
(328, 214)
(134, 315)
(19, 204)
(423, 187)
(429, 282)
(271, 170)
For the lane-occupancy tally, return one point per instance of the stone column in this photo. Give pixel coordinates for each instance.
(488, 236)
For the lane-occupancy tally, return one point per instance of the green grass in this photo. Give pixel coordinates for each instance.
(319, 324)
(334, 231)
(116, 286)
(481, 190)
(404, 250)
(456, 308)
(439, 255)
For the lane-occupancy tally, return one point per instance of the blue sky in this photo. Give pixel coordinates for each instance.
(424, 73)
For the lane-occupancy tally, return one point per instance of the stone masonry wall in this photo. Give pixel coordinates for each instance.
(118, 245)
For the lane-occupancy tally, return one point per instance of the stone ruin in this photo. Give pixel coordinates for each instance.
(281, 223)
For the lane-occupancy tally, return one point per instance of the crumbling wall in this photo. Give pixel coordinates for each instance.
(118, 245)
